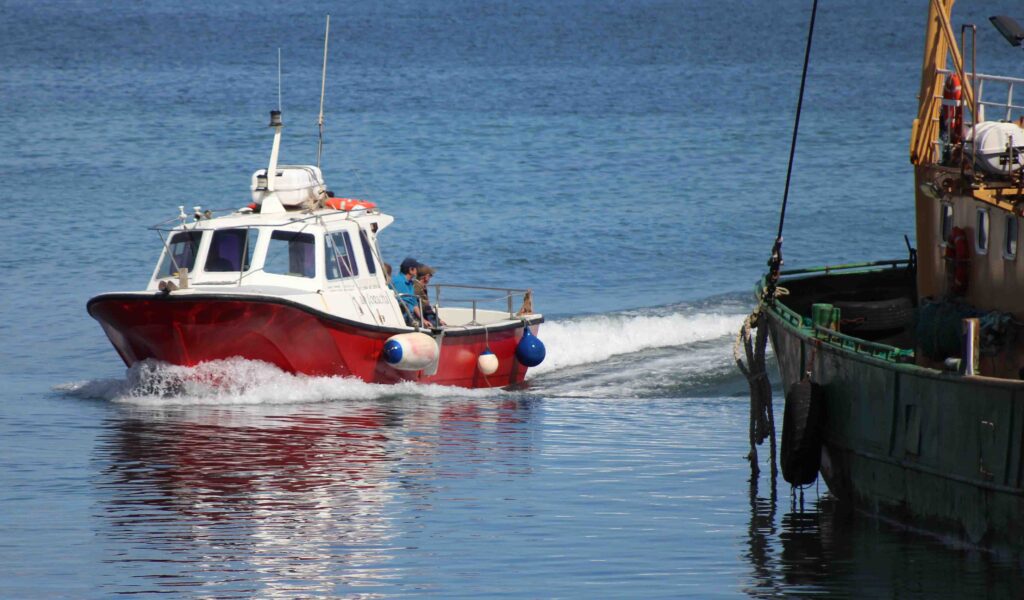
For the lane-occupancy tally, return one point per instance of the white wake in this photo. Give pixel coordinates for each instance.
(619, 354)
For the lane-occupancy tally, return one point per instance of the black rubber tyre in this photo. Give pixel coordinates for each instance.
(801, 433)
(876, 315)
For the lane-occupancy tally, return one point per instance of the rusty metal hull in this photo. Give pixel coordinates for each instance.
(940, 451)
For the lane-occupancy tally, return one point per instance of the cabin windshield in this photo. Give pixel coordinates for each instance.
(338, 255)
(230, 250)
(291, 253)
(181, 253)
(368, 252)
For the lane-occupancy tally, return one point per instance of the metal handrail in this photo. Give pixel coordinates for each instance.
(860, 346)
(509, 295)
(835, 338)
(166, 225)
(980, 87)
(847, 267)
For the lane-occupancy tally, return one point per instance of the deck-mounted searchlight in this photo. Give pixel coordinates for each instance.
(1010, 29)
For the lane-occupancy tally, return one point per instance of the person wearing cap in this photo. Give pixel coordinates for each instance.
(424, 273)
(406, 290)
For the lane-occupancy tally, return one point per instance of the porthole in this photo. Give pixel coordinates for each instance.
(981, 232)
(1010, 237)
(946, 221)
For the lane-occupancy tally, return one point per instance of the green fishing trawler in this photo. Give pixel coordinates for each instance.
(903, 378)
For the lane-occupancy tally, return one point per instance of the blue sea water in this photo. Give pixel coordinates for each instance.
(625, 160)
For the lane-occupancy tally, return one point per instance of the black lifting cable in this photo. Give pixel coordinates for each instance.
(762, 420)
(775, 262)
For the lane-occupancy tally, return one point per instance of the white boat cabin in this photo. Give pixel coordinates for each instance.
(326, 259)
(297, 243)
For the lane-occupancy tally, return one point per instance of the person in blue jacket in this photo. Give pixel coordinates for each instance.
(404, 283)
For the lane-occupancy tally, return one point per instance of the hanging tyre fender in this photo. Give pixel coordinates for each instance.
(801, 432)
(875, 315)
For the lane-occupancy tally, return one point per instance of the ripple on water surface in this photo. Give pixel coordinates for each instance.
(611, 474)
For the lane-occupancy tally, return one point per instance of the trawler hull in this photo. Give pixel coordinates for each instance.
(940, 451)
(189, 330)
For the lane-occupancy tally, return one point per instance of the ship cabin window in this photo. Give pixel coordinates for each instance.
(981, 232)
(371, 264)
(946, 223)
(291, 253)
(181, 253)
(1010, 245)
(230, 250)
(338, 255)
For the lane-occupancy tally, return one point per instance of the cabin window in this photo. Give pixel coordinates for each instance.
(371, 264)
(231, 250)
(981, 232)
(181, 253)
(291, 253)
(338, 256)
(1010, 245)
(946, 223)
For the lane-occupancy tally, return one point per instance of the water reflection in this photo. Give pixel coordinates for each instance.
(310, 502)
(821, 547)
(486, 496)
(761, 533)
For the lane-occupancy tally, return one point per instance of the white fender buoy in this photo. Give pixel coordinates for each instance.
(487, 362)
(410, 351)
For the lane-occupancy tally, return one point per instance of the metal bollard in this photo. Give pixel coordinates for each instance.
(969, 342)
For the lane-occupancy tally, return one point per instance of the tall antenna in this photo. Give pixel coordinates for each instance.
(323, 86)
(278, 79)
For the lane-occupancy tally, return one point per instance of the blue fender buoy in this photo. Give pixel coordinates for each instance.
(530, 350)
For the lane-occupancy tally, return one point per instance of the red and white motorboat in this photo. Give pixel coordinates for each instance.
(296, 279)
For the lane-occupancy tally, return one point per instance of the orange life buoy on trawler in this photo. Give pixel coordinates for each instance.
(347, 204)
(951, 121)
(958, 252)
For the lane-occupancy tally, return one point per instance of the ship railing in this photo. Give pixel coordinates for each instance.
(795, 318)
(482, 296)
(1006, 107)
(828, 269)
(831, 336)
(873, 349)
(291, 218)
(847, 342)
(1002, 105)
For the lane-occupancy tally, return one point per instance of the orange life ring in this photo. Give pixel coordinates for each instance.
(348, 204)
(951, 122)
(959, 253)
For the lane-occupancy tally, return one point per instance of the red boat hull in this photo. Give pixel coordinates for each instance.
(188, 330)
